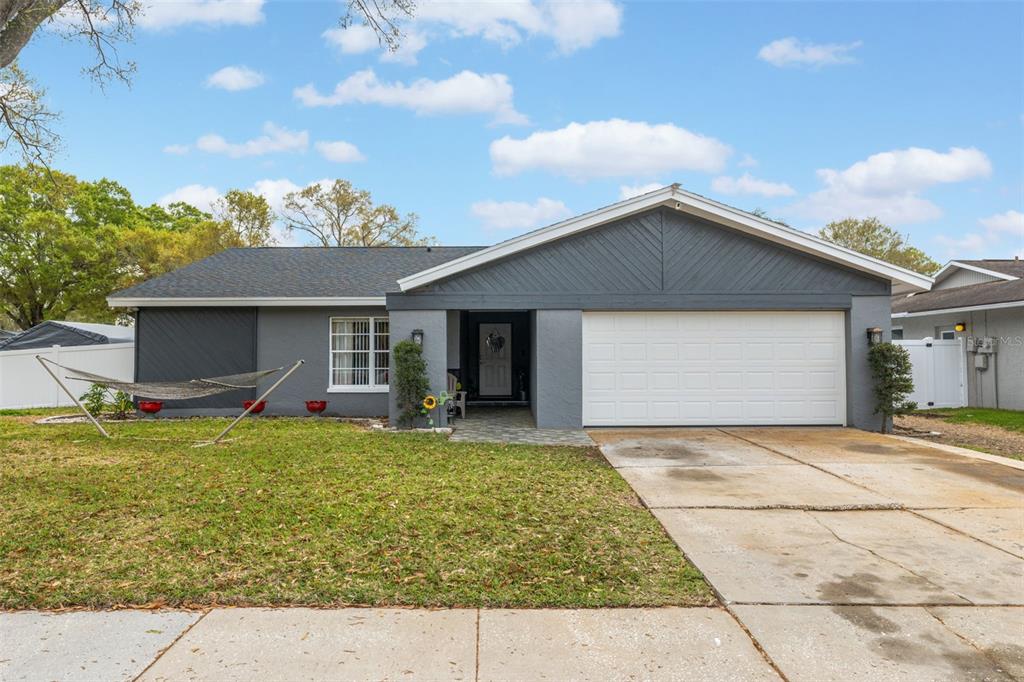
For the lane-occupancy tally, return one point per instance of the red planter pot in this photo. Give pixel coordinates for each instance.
(316, 406)
(151, 406)
(260, 406)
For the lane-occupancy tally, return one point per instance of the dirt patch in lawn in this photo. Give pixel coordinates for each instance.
(991, 439)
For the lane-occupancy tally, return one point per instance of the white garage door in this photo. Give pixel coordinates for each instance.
(690, 368)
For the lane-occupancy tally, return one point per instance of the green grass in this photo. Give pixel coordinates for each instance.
(317, 512)
(1007, 419)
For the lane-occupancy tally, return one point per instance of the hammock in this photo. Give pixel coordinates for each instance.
(172, 390)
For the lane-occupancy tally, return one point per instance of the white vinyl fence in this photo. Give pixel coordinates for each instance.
(24, 382)
(939, 375)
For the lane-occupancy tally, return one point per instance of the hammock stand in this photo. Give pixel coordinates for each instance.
(195, 388)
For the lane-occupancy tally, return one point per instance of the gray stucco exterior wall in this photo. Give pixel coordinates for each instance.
(1002, 383)
(285, 335)
(557, 386)
(434, 324)
(865, 312)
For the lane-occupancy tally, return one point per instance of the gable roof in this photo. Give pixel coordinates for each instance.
(59, 333)
(1000, 294)
(1002, 269)
(270, 276)
(674, 197)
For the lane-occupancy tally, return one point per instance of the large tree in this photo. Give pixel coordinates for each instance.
(872, 237)
(340, 215)
(25, 120)
(66, 244)
(57, 250)
(248, 214)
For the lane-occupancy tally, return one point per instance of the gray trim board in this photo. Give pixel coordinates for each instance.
(624, 301)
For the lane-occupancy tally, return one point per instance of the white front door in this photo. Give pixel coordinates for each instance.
(713, 368)
(496, 359)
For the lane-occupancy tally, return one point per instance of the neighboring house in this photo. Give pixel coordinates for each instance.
(54, 333)
(667, 308)
(986, 298)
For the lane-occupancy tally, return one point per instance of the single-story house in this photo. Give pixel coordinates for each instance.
(63, 333)
(981, 303)
(663, 309)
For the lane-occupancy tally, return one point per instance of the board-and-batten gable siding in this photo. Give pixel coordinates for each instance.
(964, 278)
(178, 344)
(657, 259)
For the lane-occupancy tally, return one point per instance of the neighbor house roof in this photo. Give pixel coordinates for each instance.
(998, 268)
(972, 297)
(289, 276)
(674, 197)
(60, 333)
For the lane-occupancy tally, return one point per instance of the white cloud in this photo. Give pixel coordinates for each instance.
(747, 161)
(161, 14)
(234, 78)
(274, 139)
(355, 39)
(339, 151)
(792, 52)
(888, 185)
(274, 190)
(748, 184)
(608, 149)
(176, 149)
(464, 93)
(970, 243)
(519, 215)
(200, 196)
(630, 191)
(1011, 223)
(360, 39)
(571, 25)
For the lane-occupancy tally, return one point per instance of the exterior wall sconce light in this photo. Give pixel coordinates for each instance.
(960, 327)
(417, 337)
(874, 335)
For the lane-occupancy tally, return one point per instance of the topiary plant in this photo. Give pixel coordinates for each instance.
(894, 381)
(410, 381)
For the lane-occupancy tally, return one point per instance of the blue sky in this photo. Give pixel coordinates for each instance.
(513, 115)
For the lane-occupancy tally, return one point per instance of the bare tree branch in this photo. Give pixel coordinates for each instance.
(383, 16)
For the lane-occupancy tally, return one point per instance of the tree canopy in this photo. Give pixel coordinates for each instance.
(341, 215)
(872, 237)
(66, 244)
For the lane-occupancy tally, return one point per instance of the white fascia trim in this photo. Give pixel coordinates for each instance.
(281, 301)
(955, 264)
(687, 202)
(965, 309)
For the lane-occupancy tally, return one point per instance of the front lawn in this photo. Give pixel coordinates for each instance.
(317, 512)
(1007, 419)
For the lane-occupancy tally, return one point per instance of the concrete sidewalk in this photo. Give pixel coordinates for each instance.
(380, 644)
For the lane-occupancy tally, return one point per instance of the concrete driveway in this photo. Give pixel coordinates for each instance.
(845, 554)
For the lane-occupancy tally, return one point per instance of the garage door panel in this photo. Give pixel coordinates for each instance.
(661, 368)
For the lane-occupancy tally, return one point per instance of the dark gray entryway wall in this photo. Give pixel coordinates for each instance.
(865, 312)
(175, 344)
(434, 324)
(557, 369)
(289, 334)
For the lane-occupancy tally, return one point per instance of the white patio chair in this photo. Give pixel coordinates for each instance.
(458, 397)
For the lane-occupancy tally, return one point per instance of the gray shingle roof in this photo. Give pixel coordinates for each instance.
(961, 297)
(296, 272)
(1007, 266)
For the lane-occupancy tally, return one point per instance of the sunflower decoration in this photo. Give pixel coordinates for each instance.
(430, 402)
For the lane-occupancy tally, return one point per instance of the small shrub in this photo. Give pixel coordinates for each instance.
(894, 381)
(410, 381)
(122, 405)
(95, 399)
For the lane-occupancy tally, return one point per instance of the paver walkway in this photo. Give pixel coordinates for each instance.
(512, 425)
(845, 554)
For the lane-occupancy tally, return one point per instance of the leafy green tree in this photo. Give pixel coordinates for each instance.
(894, 380)
(341, 215)
(872, 237)
(57, 250)
(248, 214)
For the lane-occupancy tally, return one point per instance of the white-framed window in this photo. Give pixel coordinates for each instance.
(945, 333)
(360, 353)
(897, 333)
